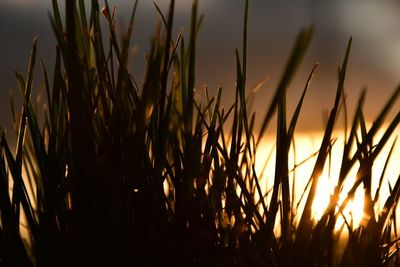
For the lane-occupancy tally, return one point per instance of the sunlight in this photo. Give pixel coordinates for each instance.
(322, 197)
(357, 206)
(301, 163)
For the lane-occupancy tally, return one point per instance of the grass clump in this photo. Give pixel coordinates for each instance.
(118, 174)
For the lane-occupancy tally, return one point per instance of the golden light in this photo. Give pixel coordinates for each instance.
(322, 197)
(301, 162)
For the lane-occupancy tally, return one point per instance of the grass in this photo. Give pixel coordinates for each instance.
(111, 173)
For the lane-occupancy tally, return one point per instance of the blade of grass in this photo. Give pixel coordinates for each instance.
(299, 49)
(305, 220)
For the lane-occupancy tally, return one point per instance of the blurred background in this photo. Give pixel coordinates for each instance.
(273, 26)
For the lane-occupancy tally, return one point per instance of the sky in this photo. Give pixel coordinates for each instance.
(273, 26)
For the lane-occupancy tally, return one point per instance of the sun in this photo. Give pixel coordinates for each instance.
(322, 197)
(301, 166)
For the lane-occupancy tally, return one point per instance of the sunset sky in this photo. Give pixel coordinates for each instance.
(273, 25)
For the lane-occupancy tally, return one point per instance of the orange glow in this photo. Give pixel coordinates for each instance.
(306, 145)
